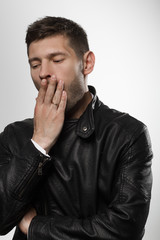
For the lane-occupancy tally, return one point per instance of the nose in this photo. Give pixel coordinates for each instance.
(45, 71)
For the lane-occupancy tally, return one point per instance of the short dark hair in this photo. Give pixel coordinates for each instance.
(50, 26)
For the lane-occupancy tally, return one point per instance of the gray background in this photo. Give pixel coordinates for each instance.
(125, 37)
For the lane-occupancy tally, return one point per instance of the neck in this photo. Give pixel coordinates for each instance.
(80, 107)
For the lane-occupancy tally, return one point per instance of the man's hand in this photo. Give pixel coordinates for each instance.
(49, 113)
(26, 220)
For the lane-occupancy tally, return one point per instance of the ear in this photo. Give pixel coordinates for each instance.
(88, 62)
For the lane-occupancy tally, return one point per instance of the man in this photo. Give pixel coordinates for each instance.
(79, 170)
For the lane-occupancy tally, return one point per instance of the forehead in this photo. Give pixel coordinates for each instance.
(58, 43)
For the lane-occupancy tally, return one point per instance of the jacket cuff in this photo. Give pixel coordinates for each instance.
(39, 228)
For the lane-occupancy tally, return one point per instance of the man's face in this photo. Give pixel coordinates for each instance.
(53, 56)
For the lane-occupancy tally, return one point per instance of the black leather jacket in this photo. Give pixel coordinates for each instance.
(95, 185)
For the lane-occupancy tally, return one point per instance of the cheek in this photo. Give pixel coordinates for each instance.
(68, 73)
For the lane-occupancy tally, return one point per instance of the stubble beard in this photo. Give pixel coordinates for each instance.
(75, 93)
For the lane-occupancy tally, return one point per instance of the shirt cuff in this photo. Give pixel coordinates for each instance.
(39, 148)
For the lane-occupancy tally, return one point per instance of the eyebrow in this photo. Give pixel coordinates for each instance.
(49, 56)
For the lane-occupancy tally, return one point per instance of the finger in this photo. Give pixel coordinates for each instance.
(58, 94)
(63, 102)
(42, 91)
(50, 90)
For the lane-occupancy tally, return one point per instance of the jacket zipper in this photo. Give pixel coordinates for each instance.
(37, 171)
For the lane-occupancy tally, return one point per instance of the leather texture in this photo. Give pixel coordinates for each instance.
(96, 184)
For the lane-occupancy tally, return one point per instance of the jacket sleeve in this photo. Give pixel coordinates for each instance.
(124, 217)
(20, 173)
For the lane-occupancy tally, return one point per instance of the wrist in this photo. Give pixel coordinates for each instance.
(39, 148)
(44, 144)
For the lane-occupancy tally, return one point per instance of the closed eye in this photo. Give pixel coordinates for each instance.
(35, 66)
(58, 61)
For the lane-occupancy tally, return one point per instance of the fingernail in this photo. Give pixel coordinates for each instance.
(64, 93)
(43, 80)
(53, 77)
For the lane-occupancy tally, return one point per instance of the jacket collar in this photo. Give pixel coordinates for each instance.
(86, 125)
